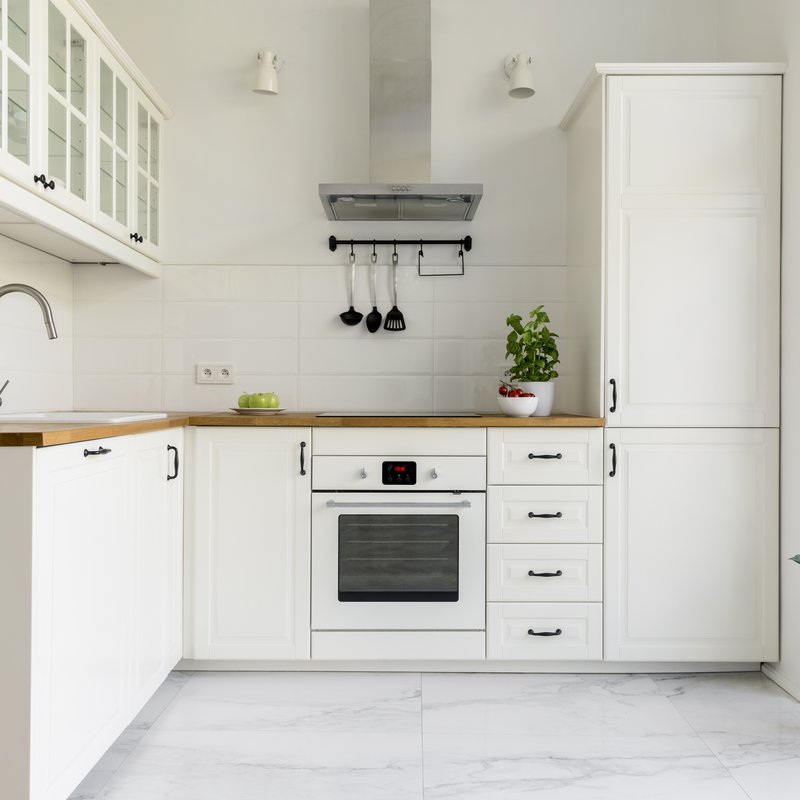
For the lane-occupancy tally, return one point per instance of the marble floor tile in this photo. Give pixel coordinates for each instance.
(581, 705)
(520, 767)
(256, 765)
(348, 702)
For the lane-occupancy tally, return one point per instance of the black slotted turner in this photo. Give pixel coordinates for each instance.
(394, 319)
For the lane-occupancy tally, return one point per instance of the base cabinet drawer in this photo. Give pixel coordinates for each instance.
(544, 631)
(546, 514)
(556, 573)
(545, 456)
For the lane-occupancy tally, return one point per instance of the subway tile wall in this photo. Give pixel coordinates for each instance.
(137, 340)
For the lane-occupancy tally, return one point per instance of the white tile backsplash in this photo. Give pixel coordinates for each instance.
(279, 326)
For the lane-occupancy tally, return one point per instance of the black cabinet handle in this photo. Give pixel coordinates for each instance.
(177, 462)
(556, 632)
(101, 451)
(43, 180)
(533, 574)
(557, 515)
(613, 472)
(556, 455)
(302, 458)
(613, 396)
(137, 238)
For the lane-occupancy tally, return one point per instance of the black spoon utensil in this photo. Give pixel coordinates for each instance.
(374, 317)
(351, 316)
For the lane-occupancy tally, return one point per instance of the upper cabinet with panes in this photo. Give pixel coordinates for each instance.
(80, 130)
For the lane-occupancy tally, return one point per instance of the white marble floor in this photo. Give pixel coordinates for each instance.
(404, 736)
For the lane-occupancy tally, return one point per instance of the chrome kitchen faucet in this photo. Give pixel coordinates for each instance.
(47, 312)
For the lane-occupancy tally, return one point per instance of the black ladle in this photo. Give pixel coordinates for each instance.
(351, 316)
(374, 317)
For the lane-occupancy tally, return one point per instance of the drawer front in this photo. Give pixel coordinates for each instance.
(545, 514)
(546, 456)
(510, 629)
(558, 573)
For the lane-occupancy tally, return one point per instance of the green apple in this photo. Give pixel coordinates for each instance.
(244, 401)
(273, 401)
(259, 400)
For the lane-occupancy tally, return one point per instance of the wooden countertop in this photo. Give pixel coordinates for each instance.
(40, 435)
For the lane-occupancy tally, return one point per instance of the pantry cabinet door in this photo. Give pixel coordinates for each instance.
(248, 553)
(693, 250)
(691, 541)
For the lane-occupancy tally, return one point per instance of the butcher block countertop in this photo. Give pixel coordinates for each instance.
(45, 435)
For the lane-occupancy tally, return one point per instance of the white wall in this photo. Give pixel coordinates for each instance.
(40, 371)
(770, 30)
(241, 194)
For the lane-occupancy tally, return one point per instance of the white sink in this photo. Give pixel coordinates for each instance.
(105, 417)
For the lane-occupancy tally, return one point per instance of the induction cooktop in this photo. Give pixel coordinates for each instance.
(398, 414)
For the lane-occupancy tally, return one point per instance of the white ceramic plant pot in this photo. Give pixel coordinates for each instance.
(545, 391)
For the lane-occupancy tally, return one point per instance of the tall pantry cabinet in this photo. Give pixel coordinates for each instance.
(674, 261)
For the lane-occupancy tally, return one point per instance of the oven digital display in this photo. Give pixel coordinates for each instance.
(399, 473)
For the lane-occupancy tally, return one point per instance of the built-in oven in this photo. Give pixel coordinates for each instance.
(398, 544)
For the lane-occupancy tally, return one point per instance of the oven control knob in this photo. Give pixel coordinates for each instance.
(363, 474)
(434, 474)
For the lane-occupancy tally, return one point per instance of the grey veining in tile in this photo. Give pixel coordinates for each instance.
(254, 765)
(588, 705)
(343, 702)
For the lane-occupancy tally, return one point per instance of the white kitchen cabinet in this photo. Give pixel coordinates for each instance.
(693, 250)
(248, 544)
(80, 138)
(691, 545)
(91, 591)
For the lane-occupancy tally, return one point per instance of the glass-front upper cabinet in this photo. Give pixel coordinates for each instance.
(67, 107)
(115, 148)
(148, 175)
(16, 102)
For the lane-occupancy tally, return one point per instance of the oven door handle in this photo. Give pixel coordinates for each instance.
(337, 504)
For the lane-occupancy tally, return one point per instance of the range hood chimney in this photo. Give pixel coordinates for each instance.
(400, 129)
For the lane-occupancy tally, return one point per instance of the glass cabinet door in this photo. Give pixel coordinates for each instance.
(15, 88)
(66, 107)
(114, 134)
(148, 151)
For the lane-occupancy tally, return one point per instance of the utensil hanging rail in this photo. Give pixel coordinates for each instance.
(463, 244)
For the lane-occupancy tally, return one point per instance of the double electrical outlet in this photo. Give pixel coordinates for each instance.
(214, 373)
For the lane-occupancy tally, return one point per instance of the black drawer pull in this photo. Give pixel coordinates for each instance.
(557, 515)
(556, 455)
(51, 184)
(556, 632)
(613, 472)
(556, 574)
(101, 451)
(177, 462)
(613, 408)
(302, 458)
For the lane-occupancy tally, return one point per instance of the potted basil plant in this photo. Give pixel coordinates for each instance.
(534, 350)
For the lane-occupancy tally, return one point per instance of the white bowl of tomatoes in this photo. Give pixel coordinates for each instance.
(514, 402)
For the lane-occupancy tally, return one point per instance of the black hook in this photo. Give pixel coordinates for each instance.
(420, 256)
(395, 246)
(373, 249)
(461, 255)
(352, 252)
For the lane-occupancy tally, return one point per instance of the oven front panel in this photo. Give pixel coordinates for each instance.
(385, 561)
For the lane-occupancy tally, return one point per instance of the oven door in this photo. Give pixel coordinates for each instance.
(390, 561)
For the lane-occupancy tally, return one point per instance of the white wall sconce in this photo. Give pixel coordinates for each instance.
(269, 65)
(518, 69)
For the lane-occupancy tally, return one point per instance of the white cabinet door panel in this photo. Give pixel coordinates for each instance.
(249, 592)
(693, 250)
(691, 541)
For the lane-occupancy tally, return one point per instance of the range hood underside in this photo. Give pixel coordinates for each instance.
(346, 202)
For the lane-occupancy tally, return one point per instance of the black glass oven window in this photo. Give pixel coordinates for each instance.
(398, 557)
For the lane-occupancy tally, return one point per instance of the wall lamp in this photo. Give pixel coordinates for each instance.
(269, 65)
(520, 73)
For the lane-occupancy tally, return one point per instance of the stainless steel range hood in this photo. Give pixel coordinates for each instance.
(400, 129)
